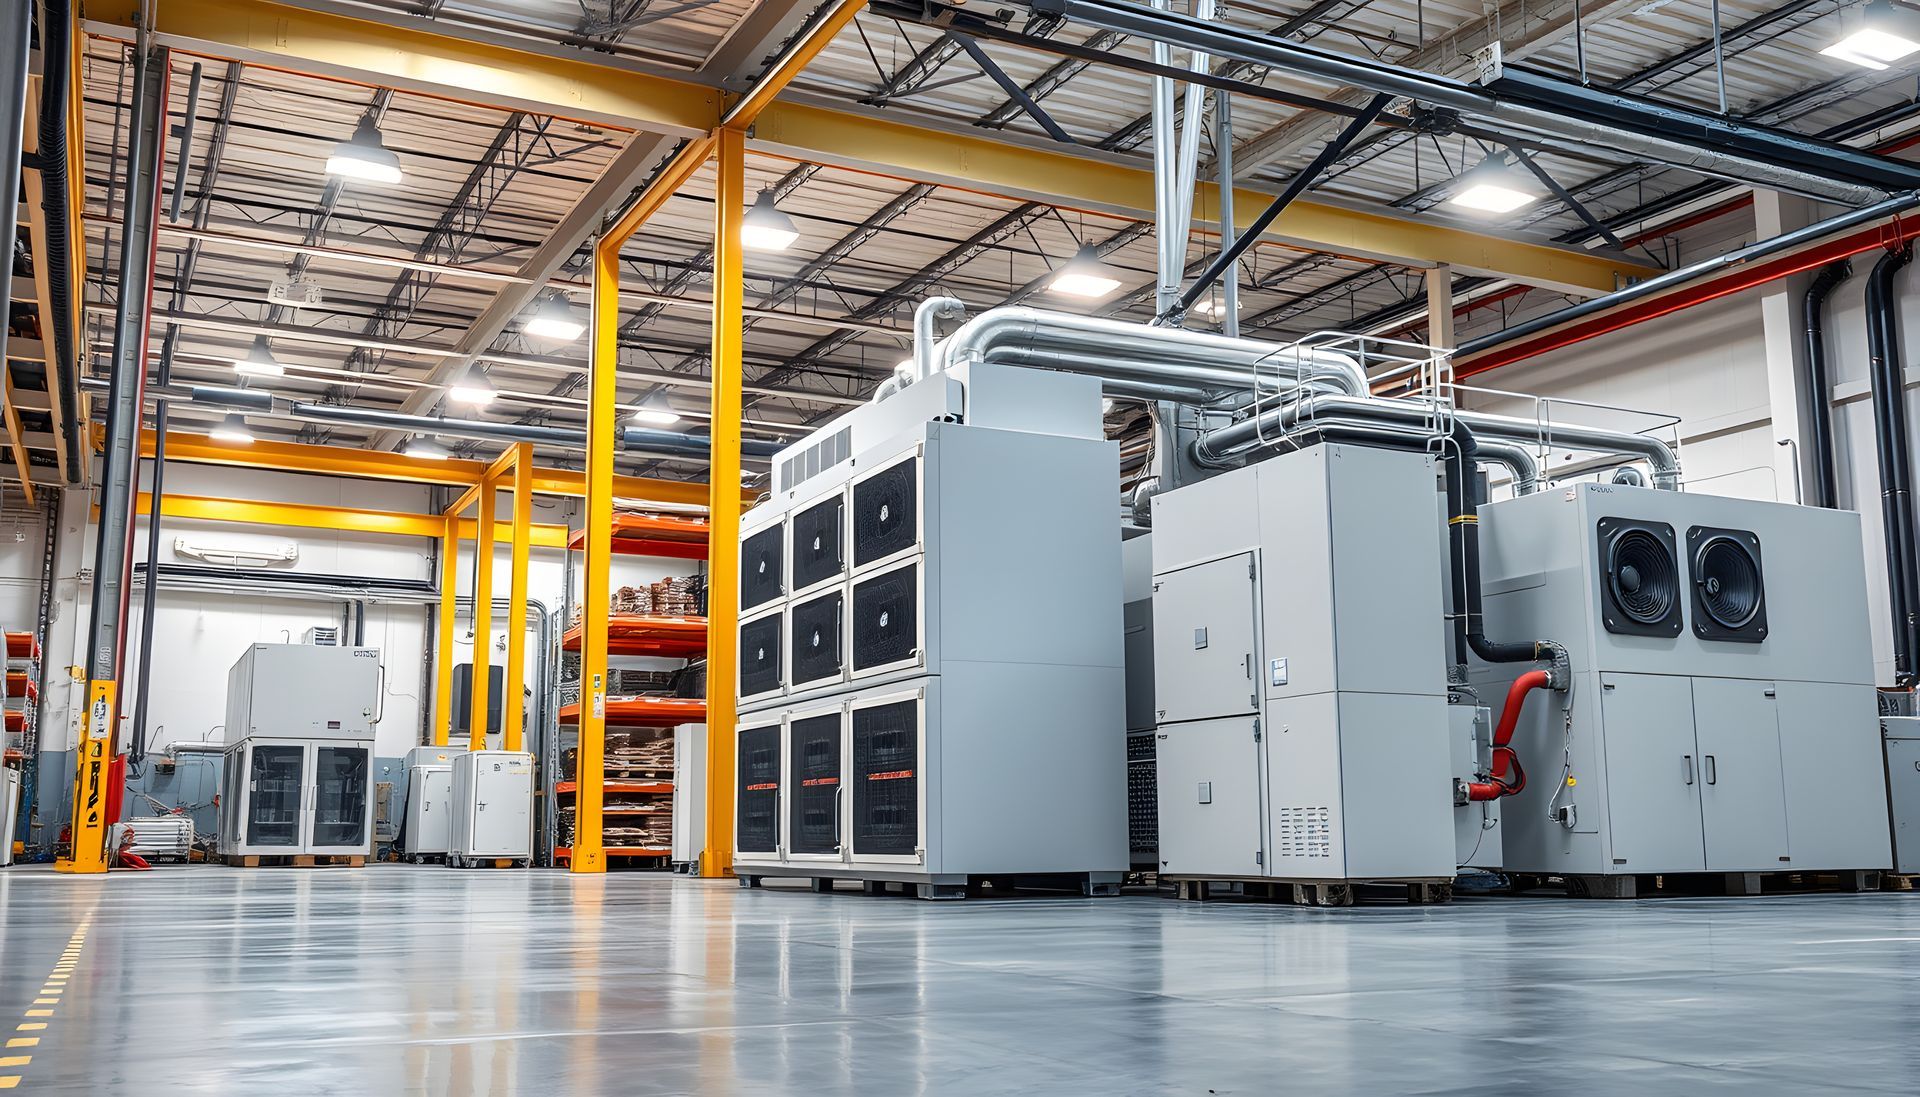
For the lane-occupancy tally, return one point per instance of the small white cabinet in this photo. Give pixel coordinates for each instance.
(492, 807)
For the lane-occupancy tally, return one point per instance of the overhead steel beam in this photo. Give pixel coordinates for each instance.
(430, 59)
(1014, 90)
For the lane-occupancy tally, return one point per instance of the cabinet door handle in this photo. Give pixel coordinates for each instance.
(838, 841)
(1688, 759)
(1713, 771)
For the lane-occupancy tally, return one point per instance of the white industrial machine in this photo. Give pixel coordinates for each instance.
(10, 802)
(689, 796)
(1300, 676)
(1722, 716)
(299, 756)
(492, 807)
(931, 680)
(1901, 736)
(428, 831)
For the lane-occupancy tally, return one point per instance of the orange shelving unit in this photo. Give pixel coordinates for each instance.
(644, 712)
(637, 634)
(654, 535)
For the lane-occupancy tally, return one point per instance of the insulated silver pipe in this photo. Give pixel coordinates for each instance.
(1517, 458)
(926, 333)
(1216, 449)
(1122, 349)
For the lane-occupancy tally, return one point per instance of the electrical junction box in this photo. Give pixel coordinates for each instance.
(492, 794)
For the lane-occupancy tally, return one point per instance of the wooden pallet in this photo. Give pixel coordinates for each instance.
(1313, 893)
(298, 860)
(975, 887)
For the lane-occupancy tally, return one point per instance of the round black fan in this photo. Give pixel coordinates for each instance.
(1728, 576)
(1643, 577)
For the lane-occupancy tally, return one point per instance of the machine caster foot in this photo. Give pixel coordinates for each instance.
(1093, 890)
(1425, 894)
(872, 887)
(821, 884)
(1323, 895)
(1864, 880)
(1194, 891)
(940, 891)
(749, 881)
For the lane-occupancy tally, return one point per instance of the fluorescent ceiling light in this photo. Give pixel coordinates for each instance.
(765, 228)
(474, 389)
(427, 447)
(654, 411)
(1885, 35)
(1086, 275)
(1493, 187)
(554, 318)
(364, 156)
(232, 428)
(259, 360)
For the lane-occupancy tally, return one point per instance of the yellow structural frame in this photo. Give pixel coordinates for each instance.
(726, 143)
(513, 469)
(428, 59)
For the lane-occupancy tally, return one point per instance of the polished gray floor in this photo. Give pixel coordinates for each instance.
(395, 980)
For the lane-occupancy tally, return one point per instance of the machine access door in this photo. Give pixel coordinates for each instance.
(1743, 798)
(1204, 649)
(275, 790)
(1653, 774)
(1211, 819)
(338, 821)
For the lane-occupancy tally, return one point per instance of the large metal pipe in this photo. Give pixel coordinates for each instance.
(1680, 276)
(15, 26)
(1218, 448)
(1162, 354)
(926, 332)
(1887, 373)
(57, 80)
(1818, 385)
(1299, 59)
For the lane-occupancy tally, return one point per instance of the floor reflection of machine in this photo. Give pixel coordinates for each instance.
(300, 751)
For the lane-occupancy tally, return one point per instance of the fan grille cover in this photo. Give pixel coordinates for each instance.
(886, 779)
(817, 554)
(886, 512)
(759, 827)
(760, 579)
(1639, 578)
(1729, 586)
(815, 796)
(760, 656)
(816, 639)
(886, 621)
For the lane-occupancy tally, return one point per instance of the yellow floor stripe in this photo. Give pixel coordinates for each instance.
(9, 1081)
(39, 1013)
(15, 1060)
(46, 1001)
(24, 1041)
(30, 1026)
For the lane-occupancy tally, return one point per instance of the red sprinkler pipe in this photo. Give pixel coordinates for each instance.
(1503, 754)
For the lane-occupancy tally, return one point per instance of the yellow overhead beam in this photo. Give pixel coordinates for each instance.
(371, 465)
(255, 512)
(429, 59)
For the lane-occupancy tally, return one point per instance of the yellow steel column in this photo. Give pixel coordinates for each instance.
(513, 695)
(482, 617)
(589, 771)
(449, 623)
(723, 501)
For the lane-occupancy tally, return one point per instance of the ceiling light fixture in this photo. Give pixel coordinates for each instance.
(654, 411)
(1494, 186)
(1886, 33)
(554, 318)
(364, 156)
(428, 447)
(1086, 275)
(474, 390)
(259, 360)
(765, 228)
(232, 428)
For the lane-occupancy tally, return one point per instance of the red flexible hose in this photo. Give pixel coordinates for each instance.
(1503, 735)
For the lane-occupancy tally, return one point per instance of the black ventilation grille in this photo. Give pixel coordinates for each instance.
(886, 515)
(759, 803)
(886, 779)
(886, 621)
(813, 802)
(817, 555)
(760, 656)
(1729, 585)
(1639, 578)
(815, 636)
(760, 579)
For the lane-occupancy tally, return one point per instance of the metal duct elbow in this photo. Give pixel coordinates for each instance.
(1517, 459)
(926, 331)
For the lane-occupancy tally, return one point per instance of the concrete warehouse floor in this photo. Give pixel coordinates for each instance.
(395, 980)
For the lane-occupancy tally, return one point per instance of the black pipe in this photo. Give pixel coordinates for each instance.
(56, 84)
(149, 595)
(1826, 492)
(371, 585)
(1463, 539)
(1886, 371)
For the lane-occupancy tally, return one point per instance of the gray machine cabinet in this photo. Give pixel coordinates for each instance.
(1653, 774)
(1209, 776)
(1743, 805)
(1203, 640)
(1902, 742)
